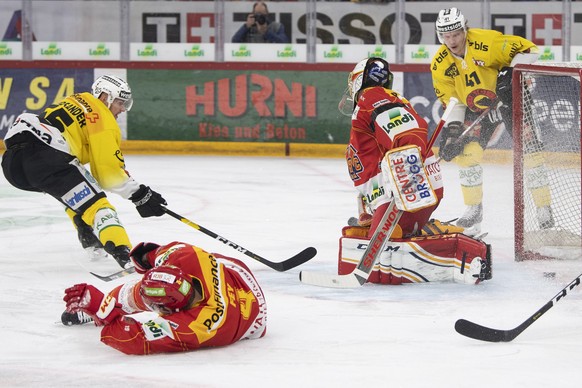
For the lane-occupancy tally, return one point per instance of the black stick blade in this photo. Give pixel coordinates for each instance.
(300, 258)
(482, 333)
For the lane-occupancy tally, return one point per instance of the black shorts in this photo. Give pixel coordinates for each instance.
(31, 165)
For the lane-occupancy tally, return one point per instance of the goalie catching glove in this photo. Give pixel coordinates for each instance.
(147, 202)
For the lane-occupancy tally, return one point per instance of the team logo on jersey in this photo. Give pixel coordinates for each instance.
(479, 99)
(479, 46)
(355, 166)
(478, 62)
(452, 71)
(397, 120)
(119, 156)
(439, 58)
(376, 193)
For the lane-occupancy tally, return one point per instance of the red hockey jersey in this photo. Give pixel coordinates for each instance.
(383, 120)
(233, 307)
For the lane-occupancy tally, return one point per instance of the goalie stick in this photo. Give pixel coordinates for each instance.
(300, 258)
(383, 232)
(482, 333)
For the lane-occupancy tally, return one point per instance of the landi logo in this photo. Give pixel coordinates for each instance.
(195, 51)
(242, 51)
(100, 50)
(287, 52)
(334, 53)
(579, 56)
(547, 55)
(421, 53)
(378, 53)
(148, 51)
(267, 97)
(4, 49)
(52, 49)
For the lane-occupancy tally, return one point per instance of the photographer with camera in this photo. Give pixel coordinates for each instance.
(259, 29)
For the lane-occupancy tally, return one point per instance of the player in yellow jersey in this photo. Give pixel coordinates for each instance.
(47, 153)
(475, 66)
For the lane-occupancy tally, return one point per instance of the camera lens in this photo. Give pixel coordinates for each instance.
(260, 18)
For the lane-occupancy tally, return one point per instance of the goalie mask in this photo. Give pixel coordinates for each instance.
(449, 20)
(115, 88)
(166, 289)
(367, 73)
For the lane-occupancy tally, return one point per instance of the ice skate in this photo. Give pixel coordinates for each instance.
(471, 220)
(78, 318)
(545, 217)
(120, 254)
(88, 240)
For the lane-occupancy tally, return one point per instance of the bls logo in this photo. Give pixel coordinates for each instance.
(479, 46)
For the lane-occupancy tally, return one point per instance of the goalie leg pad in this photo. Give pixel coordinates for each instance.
(438, 258)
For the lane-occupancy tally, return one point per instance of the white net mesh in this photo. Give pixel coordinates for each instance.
(547, 162)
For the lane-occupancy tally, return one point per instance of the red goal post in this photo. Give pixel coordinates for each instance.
(547, 166)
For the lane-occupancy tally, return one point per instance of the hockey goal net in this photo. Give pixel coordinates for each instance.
(547, 166)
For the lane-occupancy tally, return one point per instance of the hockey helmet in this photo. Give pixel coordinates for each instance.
(166, 289)
(368, 72)
(115, 88)
(449, 20)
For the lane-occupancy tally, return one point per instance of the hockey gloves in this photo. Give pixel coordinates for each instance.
(503, 89)
(140, 258)
(88, 299)
(148, 202)
(504, 94)
(449, 145)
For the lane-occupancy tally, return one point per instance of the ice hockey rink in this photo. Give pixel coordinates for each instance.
(374, 336)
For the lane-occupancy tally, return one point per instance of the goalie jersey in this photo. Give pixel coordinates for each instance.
(383, 120)
(473, 77)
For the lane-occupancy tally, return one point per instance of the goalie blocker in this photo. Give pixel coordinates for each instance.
(436, 258)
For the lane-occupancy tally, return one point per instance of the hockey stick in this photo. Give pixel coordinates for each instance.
(494, 105)
(116, 275)
(300, 258)
(482, 333)
(382, 234)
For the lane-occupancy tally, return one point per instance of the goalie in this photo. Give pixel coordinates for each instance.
(388, 140)
(200, 300)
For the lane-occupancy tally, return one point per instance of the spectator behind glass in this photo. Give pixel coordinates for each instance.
(259, 29)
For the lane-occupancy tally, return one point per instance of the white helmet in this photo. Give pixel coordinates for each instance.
(450, 19)
(114, 87)
(346, 104)
(355, 78)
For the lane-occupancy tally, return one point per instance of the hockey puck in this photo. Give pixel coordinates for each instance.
(549, 275)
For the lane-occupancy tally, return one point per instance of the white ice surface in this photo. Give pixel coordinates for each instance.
(374, 336)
